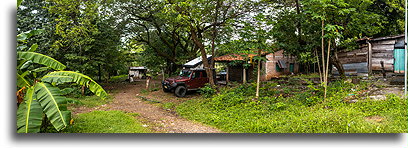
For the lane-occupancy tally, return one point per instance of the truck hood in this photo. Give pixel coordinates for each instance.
(176, 79)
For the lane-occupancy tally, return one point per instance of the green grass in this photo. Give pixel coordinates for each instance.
(106, 122)
(91, 101)
(303, 110)
(168, 105)
(120, 78)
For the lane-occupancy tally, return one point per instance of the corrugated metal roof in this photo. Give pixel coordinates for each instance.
(381, 38)
(195, 62)
(136, 68)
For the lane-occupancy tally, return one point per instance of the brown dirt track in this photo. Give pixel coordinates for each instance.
(128, 98)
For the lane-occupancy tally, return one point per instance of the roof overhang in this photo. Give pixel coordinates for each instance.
(195, 62)
(138, 68)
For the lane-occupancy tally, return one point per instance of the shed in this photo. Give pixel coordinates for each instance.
(277, 64)
(236, 72)
(137, 73)
(374, 55)
(196, 63)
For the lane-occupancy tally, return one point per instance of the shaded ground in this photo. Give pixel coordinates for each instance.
(131, 97)
(383, 86)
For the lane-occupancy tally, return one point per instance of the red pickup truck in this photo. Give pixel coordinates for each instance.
(185, 81)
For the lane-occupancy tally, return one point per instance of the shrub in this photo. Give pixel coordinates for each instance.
(207, 91)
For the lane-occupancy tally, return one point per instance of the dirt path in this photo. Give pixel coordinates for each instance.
(158, 119)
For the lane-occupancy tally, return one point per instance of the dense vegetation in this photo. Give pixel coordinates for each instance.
(66, 44)
(42, 86)
(101, 38)
(287, 108)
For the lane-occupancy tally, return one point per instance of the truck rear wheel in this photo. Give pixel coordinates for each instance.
(180, 91)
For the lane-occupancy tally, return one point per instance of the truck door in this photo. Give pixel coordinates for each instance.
(195, 80)
(204, 79)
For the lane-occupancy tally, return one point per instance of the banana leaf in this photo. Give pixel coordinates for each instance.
(29, 114)
(41, 59)
(81, 79)
(50, 99)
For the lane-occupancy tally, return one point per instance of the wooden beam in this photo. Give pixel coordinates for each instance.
(370, 55)
(227, 77)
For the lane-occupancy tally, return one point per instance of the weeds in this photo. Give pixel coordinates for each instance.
(168, 106)
(302, 111)
(207, 91)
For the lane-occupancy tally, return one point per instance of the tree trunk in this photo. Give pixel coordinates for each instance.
(327, 70)
(298, 24)
(323, 63)
(203, 54)
(99, 73)
(318, 67)
(336, 62)
(214, 37)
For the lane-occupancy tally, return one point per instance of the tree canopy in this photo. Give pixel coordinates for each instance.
(102, 38)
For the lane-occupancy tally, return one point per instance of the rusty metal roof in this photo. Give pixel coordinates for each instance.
(237, 57)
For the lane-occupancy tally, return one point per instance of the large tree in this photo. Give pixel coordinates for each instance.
(33, 15)
(146, 23)
(78, 33)
(203, 19)
(297, 26)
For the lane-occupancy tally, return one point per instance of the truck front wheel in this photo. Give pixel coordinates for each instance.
(166, 90)
(180, 91)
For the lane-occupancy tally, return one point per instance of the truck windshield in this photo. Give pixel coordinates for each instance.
(185, 73)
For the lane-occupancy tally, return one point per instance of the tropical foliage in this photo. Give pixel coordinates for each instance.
(39, 96)
(62, 44)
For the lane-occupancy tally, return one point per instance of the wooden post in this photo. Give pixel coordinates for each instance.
(162, 74)
(370, 59)
(227, 76)
(259, 75)
(244, 75)
(83, 91)
(147, 83)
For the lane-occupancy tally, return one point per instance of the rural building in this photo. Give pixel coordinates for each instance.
(277, 64)
(137, 73)
(196, 63)
(374, 55)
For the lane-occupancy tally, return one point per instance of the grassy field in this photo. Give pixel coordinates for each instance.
(298, 109)
(102, 121)
(106, 122)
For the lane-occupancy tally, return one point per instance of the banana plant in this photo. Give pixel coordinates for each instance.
(38, 95)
